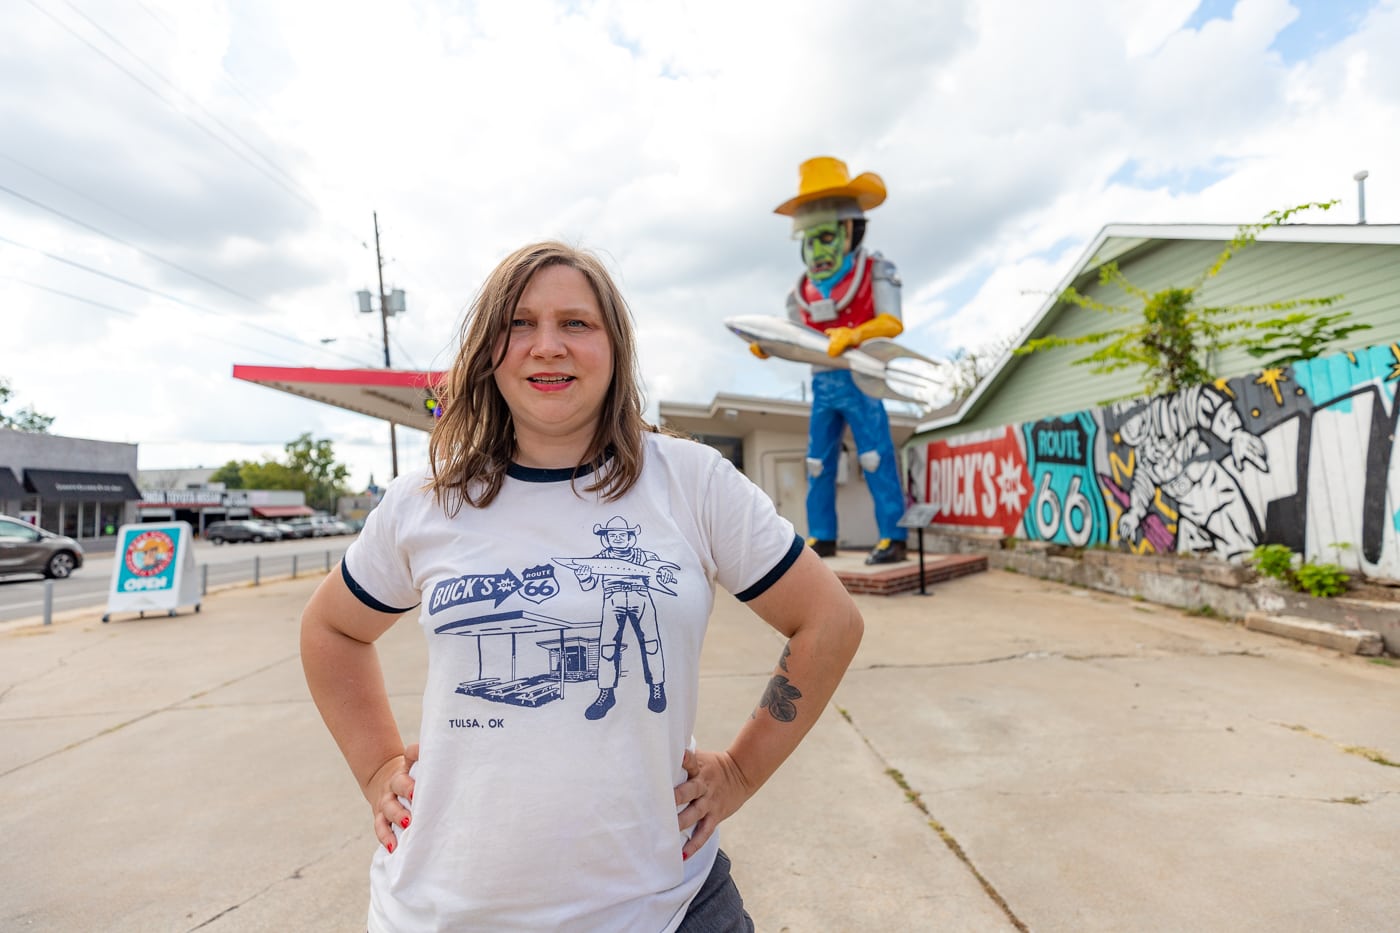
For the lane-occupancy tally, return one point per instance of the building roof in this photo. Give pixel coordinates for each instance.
(395, 395)
(1117, 241)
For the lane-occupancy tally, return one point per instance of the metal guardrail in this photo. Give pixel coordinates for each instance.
(234, 572)
(268, 566)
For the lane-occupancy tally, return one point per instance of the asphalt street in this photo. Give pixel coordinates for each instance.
(22, 596)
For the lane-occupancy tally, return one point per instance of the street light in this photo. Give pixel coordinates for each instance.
(390, 303)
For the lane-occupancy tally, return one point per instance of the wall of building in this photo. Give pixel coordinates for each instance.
(777, 462)
(196, 478)
(1367, 276)
(23, 450)
(1303, 456)
(89, 521)
(771, 437)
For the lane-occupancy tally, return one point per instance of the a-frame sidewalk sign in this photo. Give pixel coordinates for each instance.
(153, 569)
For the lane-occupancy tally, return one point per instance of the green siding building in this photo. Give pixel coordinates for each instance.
(1361, 262)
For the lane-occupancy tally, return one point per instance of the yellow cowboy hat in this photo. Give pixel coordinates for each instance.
(825, 177)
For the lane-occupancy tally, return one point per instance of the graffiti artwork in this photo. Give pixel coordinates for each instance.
(1303, 455)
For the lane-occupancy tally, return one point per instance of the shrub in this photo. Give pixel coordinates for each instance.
(1320, 579)
(1274, 560)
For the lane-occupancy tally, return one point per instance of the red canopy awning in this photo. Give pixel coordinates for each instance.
(396, 395)
(281, 511)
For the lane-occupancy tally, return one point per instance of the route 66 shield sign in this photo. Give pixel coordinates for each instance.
(538, 584)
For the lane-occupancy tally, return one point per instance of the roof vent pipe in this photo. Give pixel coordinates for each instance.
(1360, 178)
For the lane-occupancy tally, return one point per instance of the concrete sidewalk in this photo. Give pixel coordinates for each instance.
(1004, 752)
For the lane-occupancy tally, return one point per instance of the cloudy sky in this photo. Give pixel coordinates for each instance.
(189, 184)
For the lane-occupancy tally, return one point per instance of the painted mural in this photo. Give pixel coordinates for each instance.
(1304, 455)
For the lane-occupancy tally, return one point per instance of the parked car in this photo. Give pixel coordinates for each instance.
(305, 527)
(243, 530)
(337, 527)
(290, 530)
(26, 548)
(326, 525)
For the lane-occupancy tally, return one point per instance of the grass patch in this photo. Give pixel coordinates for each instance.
(1354, 801)
(1383, 662)
(910, 794)
(917, 800)
(1370, 754)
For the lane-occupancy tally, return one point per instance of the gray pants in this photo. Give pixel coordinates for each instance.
(718, 908)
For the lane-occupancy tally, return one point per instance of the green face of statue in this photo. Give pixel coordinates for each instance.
(824, 248)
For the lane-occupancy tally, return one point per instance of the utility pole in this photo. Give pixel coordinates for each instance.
(384, 327)
(389, 303)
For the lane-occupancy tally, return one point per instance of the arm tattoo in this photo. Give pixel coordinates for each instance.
(778, 696)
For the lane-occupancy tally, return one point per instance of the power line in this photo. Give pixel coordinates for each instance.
(202, 109)
(144, 252)
(129, 313)
(300, 192)
(210, 133)
(74, 191)
(156, 17)
(248, 96)
(177, 300)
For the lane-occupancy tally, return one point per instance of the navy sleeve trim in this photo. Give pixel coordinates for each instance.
(772, 576)
(363, 595)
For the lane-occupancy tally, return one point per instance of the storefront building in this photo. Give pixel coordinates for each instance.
(203, 506)
(74, 486)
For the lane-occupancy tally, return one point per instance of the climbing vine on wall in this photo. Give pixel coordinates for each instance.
(1170, 336)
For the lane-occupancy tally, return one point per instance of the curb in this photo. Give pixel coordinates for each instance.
(1346, 640)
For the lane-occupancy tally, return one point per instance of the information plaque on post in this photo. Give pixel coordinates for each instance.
(153, 569)
(919, 516)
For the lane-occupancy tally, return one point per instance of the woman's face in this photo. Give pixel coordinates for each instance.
(557, 368)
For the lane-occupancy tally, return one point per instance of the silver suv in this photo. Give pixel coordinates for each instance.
(25, 548)
(245, 530)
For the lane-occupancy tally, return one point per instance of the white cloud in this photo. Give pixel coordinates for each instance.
(661, 135)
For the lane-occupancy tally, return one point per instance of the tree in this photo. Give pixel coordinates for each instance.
(26, 419)
(272, 475)
(309, 466)
(970, 367)
(316, 461)
(230, 474)
(1171, 336)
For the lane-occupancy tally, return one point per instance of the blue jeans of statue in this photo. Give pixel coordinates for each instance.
(836, 403)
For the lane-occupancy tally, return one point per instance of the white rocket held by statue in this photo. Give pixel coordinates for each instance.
(880, 368)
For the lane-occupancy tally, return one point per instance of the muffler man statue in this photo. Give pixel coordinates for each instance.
(850, 296)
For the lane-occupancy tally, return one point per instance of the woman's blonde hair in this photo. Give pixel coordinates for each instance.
(473, 442)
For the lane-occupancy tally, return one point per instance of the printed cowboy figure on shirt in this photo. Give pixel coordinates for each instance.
(628, 575)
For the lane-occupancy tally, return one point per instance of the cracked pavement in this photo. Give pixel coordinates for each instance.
(1005, 753)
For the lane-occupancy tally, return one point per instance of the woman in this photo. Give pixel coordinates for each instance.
(562, 555)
